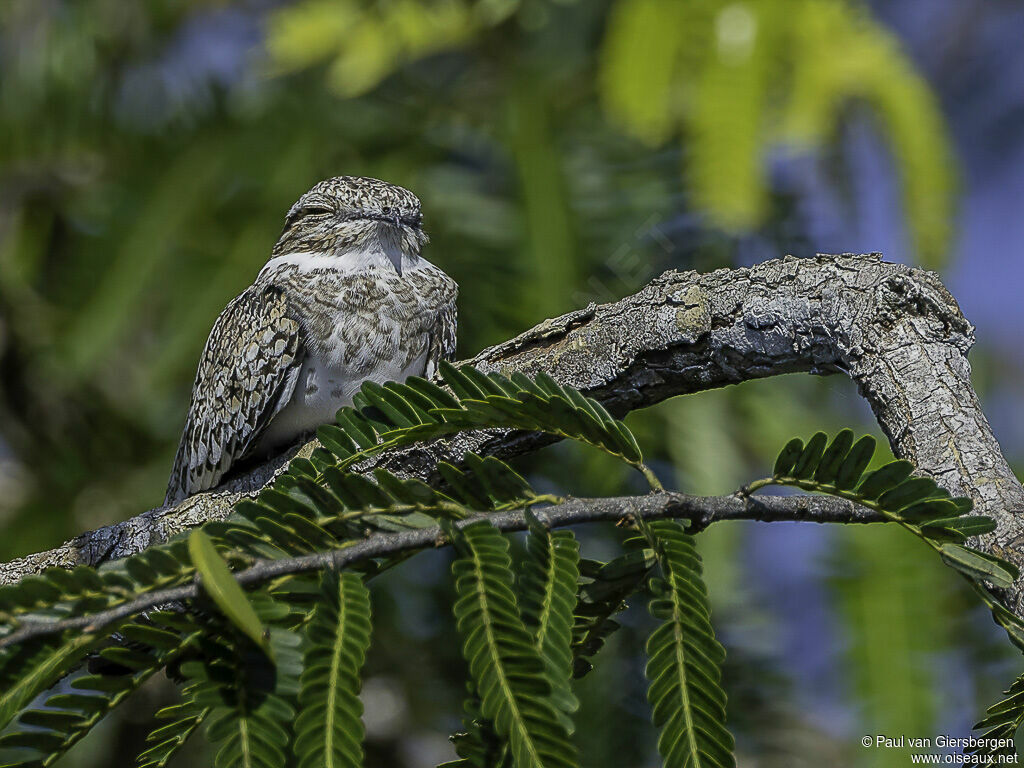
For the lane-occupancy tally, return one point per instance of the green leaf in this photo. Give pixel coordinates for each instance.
(1002, 721)
(29, 669)
(856, 461)
(250, 713)
(40, 741)
(337, 440)
(887, 82)
(439, 397)
(489, 383)
(907, 492)
(504, 662)
(833, 457)
(684, 667)
(398, 410)
(328, 730)
(68, 718)
(548, 588)
(251, 738)
(417, 410)
(168, 739)
(603, 593)
(810, 456)
(929, 509)
(1006, 565)
(971, 525)
(638, 67)
(478, 745)
(466, 488)
(884, 478)
(219, 583)
(975, 565)
(503, 485)
(357, 427)
(459, 382)
(420, 403)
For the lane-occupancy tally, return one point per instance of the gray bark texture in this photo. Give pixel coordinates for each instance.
(895, 330)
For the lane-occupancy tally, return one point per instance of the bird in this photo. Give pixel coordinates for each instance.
(345, 297)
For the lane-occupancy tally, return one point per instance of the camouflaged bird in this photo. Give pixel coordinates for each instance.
(345, 297)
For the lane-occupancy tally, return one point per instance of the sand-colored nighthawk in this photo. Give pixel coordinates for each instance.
(345, 297)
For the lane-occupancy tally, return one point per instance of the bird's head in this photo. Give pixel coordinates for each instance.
(348, 212)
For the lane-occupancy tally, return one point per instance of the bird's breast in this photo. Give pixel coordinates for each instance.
(374, 325)
(321, 389)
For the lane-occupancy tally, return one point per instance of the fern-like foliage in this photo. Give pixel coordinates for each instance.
(602, 593)
(506, 667)
(666, 68)
(478, 746)
(548, 584)
(237, 653)
(248, 698)
(373, 41)
(917, 503)
(328, 731)
(66, 718)
(271, 673)
(30, 668)
(1000, 725)
(316, 506)
(185, 718)
(310, 510)
(837, 467)
(748, 92)
(684, 666)
(393, 415)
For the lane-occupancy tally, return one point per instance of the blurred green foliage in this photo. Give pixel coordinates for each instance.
(565, 152)
(737, 78)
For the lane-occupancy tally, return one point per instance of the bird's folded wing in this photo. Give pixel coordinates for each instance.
(246, 375)
(442, 338)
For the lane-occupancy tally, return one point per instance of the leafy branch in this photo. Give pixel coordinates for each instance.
(916, 503)
(273, 616)
(702, 511)
(394, 415)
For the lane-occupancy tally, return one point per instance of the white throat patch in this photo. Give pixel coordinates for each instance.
(350, 262)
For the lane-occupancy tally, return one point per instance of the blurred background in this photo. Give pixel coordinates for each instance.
(565, 152)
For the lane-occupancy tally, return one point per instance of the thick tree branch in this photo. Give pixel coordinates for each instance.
(701, 511)
(894, 330)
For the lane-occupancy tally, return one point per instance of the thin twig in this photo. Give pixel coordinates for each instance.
(701, 511)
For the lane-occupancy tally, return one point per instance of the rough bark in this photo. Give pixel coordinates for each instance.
(896, 331)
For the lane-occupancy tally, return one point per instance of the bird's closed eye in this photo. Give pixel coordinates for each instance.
(316, 210)
(307, 212)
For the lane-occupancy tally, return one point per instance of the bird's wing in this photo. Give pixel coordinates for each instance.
(246, 375)
(442, 336)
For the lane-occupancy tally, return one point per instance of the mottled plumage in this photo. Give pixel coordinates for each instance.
(345, 297)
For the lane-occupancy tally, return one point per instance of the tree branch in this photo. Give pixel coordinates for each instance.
(701, 511)
(894, 330)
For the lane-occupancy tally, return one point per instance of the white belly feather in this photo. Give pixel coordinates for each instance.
(320, 391)
(348, 349)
